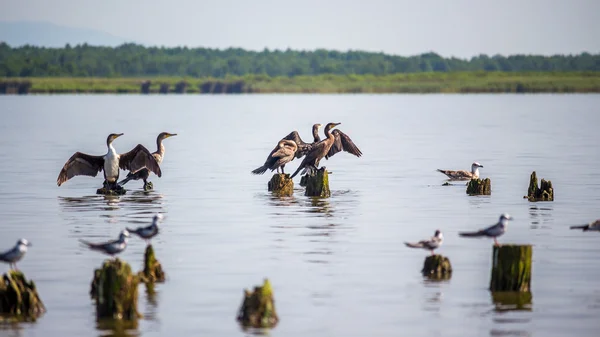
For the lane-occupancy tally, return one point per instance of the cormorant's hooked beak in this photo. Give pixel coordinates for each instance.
(172, 134)
(118, 135)
(336, 124)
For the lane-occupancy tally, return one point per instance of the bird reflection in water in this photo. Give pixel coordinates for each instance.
(117, 327)
(319, 205)
(137, 200)
(541, 216)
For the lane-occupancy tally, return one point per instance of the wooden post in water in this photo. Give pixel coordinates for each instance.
(19, 299)
(153, 271)
(318, 185)
(437, 267)
(479, 187)
(115, 289)
(258, 308)
(281, 184)
(511, 268)
(544, 193)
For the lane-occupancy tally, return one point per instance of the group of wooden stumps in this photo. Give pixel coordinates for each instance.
(114, 286)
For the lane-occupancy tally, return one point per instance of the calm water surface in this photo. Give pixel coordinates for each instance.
(338, 266)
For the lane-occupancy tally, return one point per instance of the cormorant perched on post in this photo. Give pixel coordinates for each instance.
(85, 164)
(282, 154)
(303, 147)
(317, 151)
(159, 154)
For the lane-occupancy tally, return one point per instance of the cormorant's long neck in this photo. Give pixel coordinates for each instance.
(110, 147)
(316, 136)
(160, 148)
(329, 135)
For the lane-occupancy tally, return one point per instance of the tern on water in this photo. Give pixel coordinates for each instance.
(111, 247)
(592, 226)
(15, 254)
(431, 244)
(462, 174)
(148, 232)
(492, 231)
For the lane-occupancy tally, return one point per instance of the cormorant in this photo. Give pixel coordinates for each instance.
(159, 154)
(85, 164)
(282, 154)
(303, 147)
(317, 151)
(492, 231)
(433, 243)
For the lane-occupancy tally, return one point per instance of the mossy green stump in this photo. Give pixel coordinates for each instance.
(19, 299)
(281, 184)
(303, 180)
(512, 300)
(543, 193)
(318, 185)
(153, 271)
(115, 289)
(511, 268)
(437, 267)
(258, 308)
(479, 187)
(106, 190)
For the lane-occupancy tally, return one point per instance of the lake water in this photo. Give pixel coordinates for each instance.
(338, 266)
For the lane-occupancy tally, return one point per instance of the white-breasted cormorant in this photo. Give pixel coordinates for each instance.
(159, 155)
(85, 164)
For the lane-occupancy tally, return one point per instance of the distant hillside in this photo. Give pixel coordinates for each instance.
(45, 34)
(131, 60)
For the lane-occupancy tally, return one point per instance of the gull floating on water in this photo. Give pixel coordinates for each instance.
(111, 247)
(462, 174)
(15, 254)
(433, 243)
(492, 231)
(592, 226)
(148, 232)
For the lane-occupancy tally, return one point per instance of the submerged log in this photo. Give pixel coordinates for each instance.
(544, 193)
(115, 289)
(258, 308)
(153, 271)
(318, 185)
(437, 267)
(19, 299)
(281, 184)
(511, 268)
(479, 187)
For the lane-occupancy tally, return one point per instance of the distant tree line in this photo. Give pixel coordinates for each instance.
(131, 60)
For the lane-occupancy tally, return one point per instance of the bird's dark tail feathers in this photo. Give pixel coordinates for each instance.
(470, 234)
(413, 245)
(296, 172)
(584, 227)
(127, 179)
(260, 170)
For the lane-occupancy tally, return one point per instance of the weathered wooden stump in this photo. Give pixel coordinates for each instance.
(511, 268)
(258, 308)
(153, 271)
(479, 187)
(111, 190)
(281, 184)
(512, 300)
(437, 267)
(19, 299)
(318, 185)
(544, 193)
(115, 289)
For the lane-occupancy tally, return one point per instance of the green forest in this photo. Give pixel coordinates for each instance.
(131, 60)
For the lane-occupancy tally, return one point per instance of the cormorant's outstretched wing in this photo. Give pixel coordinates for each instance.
(80, 164)
(137, 159)
(342, 143)
(295, 136)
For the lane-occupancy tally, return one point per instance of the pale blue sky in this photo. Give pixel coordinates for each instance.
(450, 27)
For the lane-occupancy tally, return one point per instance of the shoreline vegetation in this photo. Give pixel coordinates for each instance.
(424, 82)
